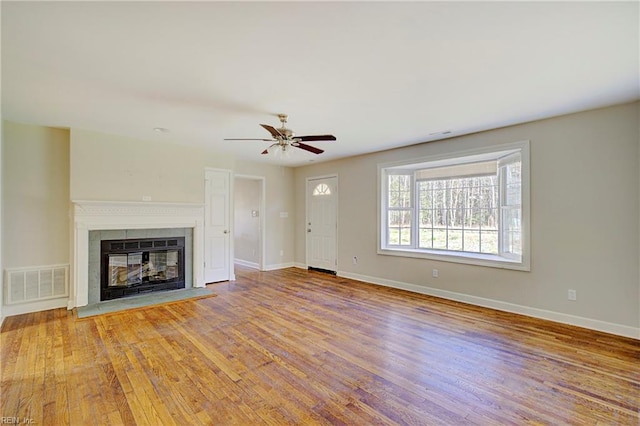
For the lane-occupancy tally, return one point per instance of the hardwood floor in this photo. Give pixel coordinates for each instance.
(298, 347)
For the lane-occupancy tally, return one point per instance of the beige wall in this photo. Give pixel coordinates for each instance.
(45, 168)
(279, 232)
(35, 194)
(580, 241)
(115, 168)
(246, 234)
(1, 222)
(590, 244)
(107, 167)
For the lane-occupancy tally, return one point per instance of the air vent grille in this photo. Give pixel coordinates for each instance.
(37, 283)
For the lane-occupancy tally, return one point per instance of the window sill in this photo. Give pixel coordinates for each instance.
(492, 261)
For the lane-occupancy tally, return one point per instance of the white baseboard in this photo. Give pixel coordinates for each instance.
(276, 266)
(300, 265)
(607, 327)
(252, 265)
(26, 308)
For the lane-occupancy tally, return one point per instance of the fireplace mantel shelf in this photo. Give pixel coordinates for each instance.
(92, 208)
(134, 203)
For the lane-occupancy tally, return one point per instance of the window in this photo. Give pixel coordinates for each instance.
(399, 210)
(469, 207)
(322, 189)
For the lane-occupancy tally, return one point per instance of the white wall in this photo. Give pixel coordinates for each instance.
(35, 195)
(279, 231)
(115, 168)
(581, 241)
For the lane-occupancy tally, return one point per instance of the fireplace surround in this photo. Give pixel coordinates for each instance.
(121, 215)
(97, 238)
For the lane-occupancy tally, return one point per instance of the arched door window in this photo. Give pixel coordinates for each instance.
(322, 189)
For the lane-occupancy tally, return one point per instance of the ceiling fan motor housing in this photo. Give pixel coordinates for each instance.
(288, 133)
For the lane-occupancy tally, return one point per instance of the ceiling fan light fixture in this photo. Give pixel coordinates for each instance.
(280, 150)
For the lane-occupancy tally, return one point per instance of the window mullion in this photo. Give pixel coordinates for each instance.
(414, 212)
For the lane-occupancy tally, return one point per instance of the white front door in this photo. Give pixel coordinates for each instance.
(322, 223)
(217, 227)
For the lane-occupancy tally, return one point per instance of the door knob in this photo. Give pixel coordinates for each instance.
(225, 231)
(308, 230)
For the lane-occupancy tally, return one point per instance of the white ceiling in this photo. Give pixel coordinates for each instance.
(376, 75)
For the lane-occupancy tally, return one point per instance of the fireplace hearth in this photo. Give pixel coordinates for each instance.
(131, 267)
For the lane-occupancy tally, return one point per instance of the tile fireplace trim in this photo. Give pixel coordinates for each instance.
(114, 215)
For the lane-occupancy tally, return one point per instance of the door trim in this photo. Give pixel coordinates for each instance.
(263, 222)
(306, 215)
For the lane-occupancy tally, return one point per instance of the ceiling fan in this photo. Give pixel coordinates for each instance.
(284, 138)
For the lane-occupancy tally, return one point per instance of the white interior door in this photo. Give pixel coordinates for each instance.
(217, 230)
(322, 223)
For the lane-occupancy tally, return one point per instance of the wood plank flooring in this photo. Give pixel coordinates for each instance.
(299, 347)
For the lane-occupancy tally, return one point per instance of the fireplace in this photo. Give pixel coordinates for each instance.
(134, 266)
(92, 218)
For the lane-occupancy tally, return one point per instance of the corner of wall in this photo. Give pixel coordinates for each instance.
(1, 225)
(1, 216)
(638, 170)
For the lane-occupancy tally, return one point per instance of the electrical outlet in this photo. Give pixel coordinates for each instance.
(146, 198)
(355, 260)
(281, 252)
(572, 295)
(434, 273)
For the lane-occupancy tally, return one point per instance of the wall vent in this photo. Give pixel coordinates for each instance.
(36, 283)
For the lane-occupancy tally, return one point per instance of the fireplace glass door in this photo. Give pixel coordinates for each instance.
(162, 265)
(135, 266)
(125, 269)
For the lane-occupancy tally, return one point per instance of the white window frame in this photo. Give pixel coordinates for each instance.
(411, 208)
(506, 261)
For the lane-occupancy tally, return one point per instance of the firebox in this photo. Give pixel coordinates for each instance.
(134, 266)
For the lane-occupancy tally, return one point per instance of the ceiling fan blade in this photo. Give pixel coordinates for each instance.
(274, 132)
(264, 152)
(309, 148)
(244, 139)
(316, 138)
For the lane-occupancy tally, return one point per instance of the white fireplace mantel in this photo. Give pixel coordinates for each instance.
(114, 215)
